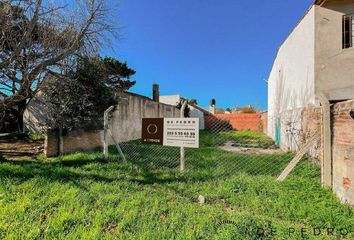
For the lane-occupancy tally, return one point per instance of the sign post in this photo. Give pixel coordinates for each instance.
(182, 161)
(107, 132)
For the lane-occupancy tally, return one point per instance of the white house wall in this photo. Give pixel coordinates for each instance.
(196, 113)
(170, 99)
(291, 81)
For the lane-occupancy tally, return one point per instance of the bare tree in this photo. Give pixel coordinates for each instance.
(40, 37)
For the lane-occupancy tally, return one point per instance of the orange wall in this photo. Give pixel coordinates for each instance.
(240, 121)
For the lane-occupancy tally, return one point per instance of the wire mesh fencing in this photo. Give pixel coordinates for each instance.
(223, 151)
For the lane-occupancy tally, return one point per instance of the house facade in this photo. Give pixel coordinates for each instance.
(316, 63)
(195, 111)
(317, 57)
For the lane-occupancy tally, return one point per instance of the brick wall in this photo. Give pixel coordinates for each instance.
(82, 141)
(343, 151)
(74, 141)
(264, 119)
(311, 121)
(241, 121)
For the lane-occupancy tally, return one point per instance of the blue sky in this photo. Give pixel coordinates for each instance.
(204, 49)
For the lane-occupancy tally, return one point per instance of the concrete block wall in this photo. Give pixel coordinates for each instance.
(343, 151)
(126, 121)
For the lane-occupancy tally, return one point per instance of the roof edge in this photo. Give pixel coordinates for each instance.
(318, 2)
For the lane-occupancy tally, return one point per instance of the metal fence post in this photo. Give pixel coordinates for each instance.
(182, 160)
(105, 132)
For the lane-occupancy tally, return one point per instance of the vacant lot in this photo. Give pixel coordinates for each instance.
(247, 138)
(81, 197)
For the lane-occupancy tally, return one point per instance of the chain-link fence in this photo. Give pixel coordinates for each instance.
(223, 150)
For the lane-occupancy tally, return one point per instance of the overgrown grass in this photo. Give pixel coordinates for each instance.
(205, 162)
(81, 197)
(36, 136)
(247, 138)
(209, 138)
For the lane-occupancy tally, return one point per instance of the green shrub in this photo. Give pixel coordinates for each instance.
(25, 136)
(36, 136)
(42, 157)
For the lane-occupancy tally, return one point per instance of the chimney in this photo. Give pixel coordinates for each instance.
(155, 93)
(212, 106)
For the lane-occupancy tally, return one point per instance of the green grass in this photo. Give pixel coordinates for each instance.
(249, 138)
(246, 138)
(82, 197)
(36, 136)
(211, 139)
(206, 162)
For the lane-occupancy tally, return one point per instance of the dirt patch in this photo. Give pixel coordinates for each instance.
(229, 147)
(20, 149)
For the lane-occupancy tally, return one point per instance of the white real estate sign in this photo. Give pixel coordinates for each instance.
(181, 132)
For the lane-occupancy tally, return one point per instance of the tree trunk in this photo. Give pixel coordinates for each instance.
(21, 107)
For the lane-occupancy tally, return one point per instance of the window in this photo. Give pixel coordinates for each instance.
(348, 33)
